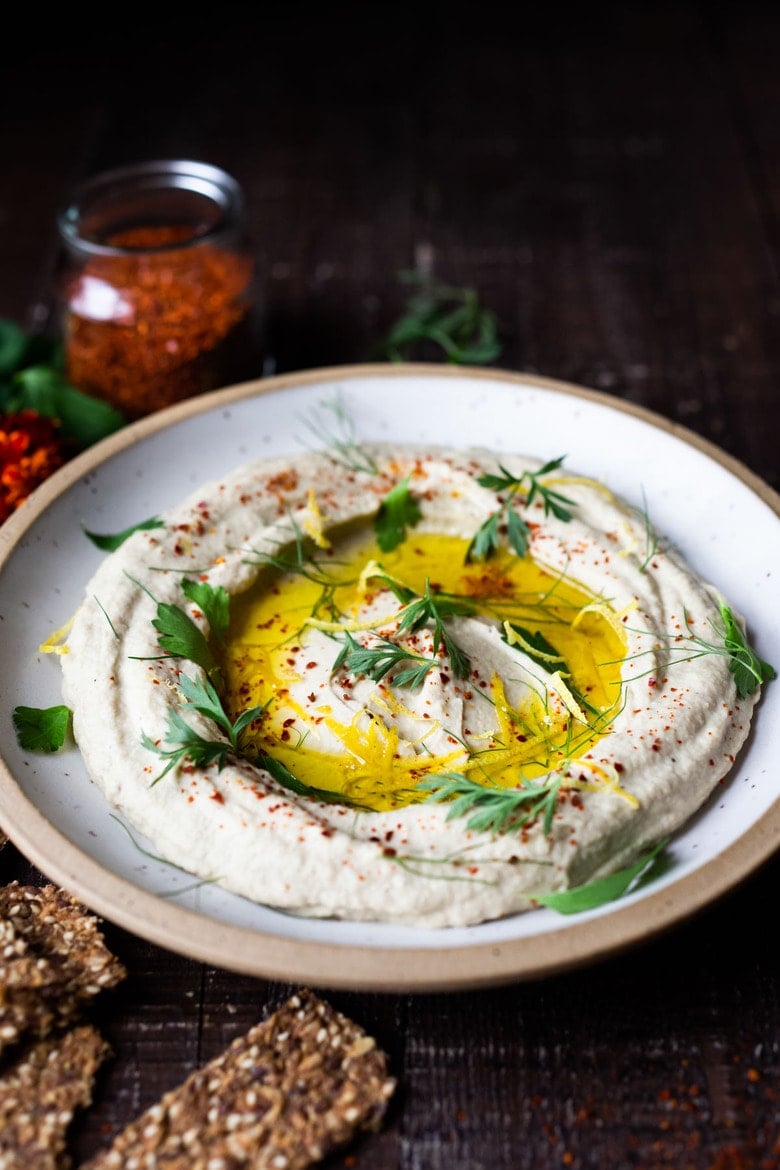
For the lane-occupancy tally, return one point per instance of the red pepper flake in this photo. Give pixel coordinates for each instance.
(31, 449)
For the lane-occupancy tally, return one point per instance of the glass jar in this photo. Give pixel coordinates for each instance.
(157, 285)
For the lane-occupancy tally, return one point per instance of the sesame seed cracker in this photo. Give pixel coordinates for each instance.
(53, 960)
(40, 1092)
(298, 1085)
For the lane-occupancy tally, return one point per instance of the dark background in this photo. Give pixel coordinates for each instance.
(608, 178)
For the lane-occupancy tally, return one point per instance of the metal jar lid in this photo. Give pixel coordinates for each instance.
(172, 191)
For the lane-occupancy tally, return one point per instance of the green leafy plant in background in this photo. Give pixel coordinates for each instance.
(443, 317)
(32, 377)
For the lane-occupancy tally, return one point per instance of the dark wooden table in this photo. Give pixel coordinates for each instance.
(608, 179)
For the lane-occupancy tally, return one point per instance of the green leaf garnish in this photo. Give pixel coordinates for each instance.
(375, 662)
(213, 600)
(486, 539)
(448, 319)
(181, 638)
(435, 608)
(186, 743)
(748, 669)
(201, 694)
(183, 742)
(109, 542)
(398, 511)
(495, 810)
(41, 729)
(606, 889)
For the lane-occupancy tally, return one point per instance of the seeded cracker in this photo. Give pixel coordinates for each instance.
(295, 1087)
(39, 1094)
(53, 960)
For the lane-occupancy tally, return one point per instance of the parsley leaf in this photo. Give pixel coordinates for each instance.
(213, 600)
(41, 729)
(181, 638)
(398, 511)
(748, 669)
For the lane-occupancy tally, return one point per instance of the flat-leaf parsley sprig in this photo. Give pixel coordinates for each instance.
(529, 486)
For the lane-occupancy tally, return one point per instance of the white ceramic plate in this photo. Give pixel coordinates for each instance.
(725, 520)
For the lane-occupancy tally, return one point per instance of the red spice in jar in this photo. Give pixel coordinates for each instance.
(158, 321)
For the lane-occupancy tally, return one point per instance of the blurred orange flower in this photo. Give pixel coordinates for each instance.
(31, 448)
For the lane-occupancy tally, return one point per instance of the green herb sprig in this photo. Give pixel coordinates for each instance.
(748, 669)
(186, 743)
(178, 634)
(448, 319)
(495, 810)
(375, 662)
(299, 559)
(332, 425)
(434, 608)
(486, 539)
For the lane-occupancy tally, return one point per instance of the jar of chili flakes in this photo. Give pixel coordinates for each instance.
(158, 285)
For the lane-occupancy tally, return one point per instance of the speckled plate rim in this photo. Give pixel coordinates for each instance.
(324, 964)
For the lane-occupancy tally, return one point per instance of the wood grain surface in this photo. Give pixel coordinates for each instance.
(608, 178)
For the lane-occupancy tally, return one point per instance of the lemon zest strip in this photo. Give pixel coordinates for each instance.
(314, 523)
(55, 643)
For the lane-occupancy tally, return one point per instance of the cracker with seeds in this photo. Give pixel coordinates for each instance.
(40, 1092)
(297, 1086)
(53, 960)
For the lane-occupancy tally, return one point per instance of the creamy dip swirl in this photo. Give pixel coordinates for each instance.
(573, 675)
